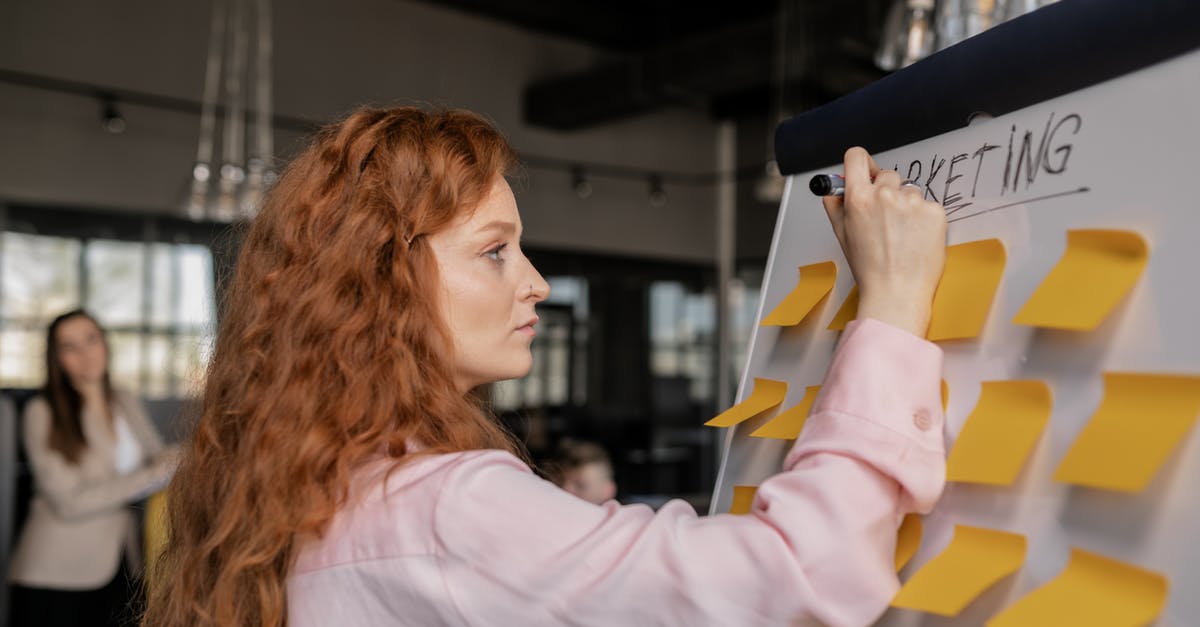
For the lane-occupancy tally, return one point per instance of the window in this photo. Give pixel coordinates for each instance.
(559, 352)
(155, 299)
(683, 329)
(40, 279)
(683, 326)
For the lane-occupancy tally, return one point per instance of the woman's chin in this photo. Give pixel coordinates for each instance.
(517, 371)
(87, 380)
(522, 369)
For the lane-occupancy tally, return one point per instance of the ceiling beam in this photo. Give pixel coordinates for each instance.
(726, 72)
(689, 73)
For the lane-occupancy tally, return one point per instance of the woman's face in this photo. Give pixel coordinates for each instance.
(489, 290)
(82, 353)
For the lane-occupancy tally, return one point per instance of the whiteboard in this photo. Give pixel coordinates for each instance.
(1120, 156)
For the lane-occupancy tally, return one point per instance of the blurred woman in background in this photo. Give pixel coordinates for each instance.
(92, 451)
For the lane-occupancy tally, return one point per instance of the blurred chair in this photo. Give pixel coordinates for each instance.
(154, 535)
(16, 481)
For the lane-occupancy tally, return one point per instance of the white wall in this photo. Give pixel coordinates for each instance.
(329, 57)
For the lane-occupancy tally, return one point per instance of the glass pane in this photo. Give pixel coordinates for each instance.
(190, 356)
(196, 306)
(702, 310)
(115, 281)
(562, 290)
(162, 284)
(699, 366)
(569, 290)
(534, 388)
(125, 360)
(664, 361)
(41, 276)
(22, 359)
(557, 365)
(157, 358)
(666, 304)
(506, 395)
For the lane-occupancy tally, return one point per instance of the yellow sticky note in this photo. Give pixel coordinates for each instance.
(964, 295)
(815, 282)
(767, 393)
(847, 312)
(743, 498)
(975, 560)
(1139, 422)
(1000, 433)
(945, 394)
(1098, 268)
(908, 540)
(787, 425)
(1092, 590)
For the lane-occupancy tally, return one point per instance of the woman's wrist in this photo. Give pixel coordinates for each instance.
(909, 314)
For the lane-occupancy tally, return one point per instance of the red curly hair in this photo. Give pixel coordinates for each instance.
(331, 353)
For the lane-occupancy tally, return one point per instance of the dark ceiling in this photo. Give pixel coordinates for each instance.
(618, 25)
(737, 59)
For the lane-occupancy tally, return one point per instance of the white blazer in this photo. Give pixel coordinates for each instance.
(78, 525)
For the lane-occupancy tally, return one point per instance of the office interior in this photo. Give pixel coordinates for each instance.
(648, 189)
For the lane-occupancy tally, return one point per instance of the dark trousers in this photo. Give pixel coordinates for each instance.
(117, 603)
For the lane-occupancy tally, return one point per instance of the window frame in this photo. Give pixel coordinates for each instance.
(146, 230)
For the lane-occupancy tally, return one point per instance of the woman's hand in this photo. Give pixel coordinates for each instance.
(894, 239)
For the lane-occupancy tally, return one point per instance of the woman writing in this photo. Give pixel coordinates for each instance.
(342, 471)
(92, 451)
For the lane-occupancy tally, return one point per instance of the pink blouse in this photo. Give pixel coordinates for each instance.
(475, 538)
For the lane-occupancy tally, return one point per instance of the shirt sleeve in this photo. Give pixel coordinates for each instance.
(69, 493)
(818, 544)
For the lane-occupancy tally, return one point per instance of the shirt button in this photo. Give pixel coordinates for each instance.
(922, 420)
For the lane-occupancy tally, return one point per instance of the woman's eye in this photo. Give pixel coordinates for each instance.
(494, 254)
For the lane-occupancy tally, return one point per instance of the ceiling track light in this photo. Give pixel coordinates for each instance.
(658, 193)
(111, 119)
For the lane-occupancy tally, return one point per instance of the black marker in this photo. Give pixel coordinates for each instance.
(828, 185)
(835, 184)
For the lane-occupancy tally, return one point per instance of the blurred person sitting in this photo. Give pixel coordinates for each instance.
(92, 451)
(583, 469)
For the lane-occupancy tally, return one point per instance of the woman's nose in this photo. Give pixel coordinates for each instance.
(539, 289)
